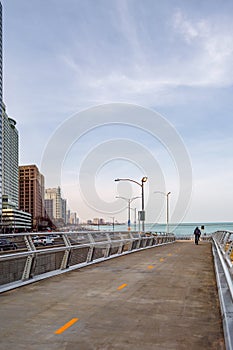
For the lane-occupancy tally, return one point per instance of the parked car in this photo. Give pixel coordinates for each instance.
(43, 240)
(53, 236)
(5, 244)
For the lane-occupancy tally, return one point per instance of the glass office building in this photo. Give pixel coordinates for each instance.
(1, 108)
(10, 160)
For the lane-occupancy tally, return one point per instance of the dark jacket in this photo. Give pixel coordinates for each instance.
(197, 232)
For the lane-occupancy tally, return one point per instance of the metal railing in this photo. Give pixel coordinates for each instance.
(205, 237)
(30, 263)
(223, 259)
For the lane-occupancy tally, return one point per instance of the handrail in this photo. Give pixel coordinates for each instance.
(224, 240)
(223, 260)
(72, 250)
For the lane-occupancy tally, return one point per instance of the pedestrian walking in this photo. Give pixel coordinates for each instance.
(197, 234)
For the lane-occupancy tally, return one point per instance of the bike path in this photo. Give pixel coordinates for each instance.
(160, 298)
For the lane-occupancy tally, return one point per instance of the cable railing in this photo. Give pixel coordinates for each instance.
(33, 257)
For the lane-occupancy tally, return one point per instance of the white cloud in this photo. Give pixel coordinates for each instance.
(201, 55)
(211, 44)
(187, 29)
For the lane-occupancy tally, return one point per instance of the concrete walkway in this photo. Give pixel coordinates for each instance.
(161, 298)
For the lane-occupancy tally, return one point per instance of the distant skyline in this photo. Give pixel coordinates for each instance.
(173, 58)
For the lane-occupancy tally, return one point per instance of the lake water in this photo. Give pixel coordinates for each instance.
(177, 229)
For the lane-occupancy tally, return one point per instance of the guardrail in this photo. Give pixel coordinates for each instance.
(70, 251)
(223, 259)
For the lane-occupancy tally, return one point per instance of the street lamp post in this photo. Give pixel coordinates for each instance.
(143, 180)
(167, 207)
(168, 211)
(129, 200)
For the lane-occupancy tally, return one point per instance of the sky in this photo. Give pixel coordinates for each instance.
(106, 89)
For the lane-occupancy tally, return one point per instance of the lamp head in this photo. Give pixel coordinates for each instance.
(117, 180)
(144, 179)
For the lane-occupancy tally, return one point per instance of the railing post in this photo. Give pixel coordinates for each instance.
(144, 242)
(67, 252)
(132, 241)
(29, 243)
(108, 246)
(225, 238)
(30, 261)
(151, 241)
(121, 245)
(139, 241)
(91, 249)
(222, 237)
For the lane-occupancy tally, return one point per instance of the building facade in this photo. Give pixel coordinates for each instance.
(10, 160)
(31, 193)
(14, 220)
(55, 205)
(1, 108)
(63, 210)
(48, 204)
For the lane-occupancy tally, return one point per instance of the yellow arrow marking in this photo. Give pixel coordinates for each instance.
(67, 325)
(150, 267)
(122, 286)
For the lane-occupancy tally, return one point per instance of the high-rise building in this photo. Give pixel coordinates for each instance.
(48, 204)
(10, 160)
(1, 108)
(72, 218)
(55, 205)
(54, 194)
(12, 219)
(31, 192)
(68, 213)
(63, 210)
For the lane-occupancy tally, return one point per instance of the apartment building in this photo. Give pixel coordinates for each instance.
(31, 192)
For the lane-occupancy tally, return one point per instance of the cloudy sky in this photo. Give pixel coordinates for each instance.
(173, 58)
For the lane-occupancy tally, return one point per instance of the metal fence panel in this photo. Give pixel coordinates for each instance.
(68, 251)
